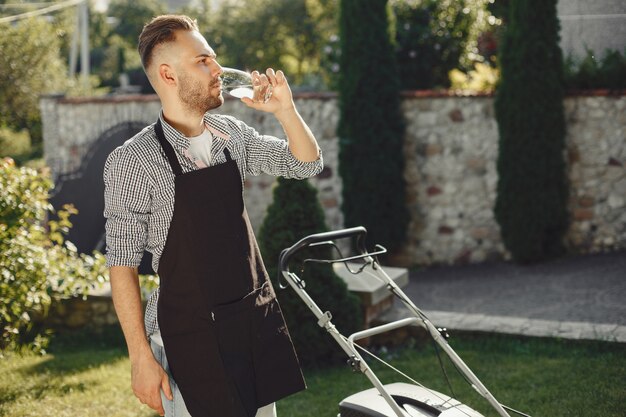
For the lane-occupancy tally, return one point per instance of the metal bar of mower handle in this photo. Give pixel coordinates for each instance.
(287, 253)
(372, 331)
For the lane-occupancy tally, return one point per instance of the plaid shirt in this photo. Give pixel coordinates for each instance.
(139, 185)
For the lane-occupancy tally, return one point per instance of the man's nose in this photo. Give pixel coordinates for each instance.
(218, 70)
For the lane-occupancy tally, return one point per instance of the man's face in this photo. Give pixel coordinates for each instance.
(199, 87)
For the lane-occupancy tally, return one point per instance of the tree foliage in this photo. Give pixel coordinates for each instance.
(116, 52)
(295, 213)
(30, 65)
(371, 128)
(285, 34)
(532, 191)
(37, 265)
(131, 16)
(431, 36)
(16, 145)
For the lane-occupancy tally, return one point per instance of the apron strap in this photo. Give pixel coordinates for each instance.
(167, 147)
(227, 155)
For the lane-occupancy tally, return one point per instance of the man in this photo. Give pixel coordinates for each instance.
(216, 343)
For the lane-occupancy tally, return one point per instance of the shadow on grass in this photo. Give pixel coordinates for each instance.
(39, 391)
(73, 352)
(59, 372)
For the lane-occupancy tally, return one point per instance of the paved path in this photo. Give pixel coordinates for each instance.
(579, 297)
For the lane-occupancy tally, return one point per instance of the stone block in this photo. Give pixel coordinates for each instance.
(615, 201)
(615, 162)
(615, 173)
(476, 164)
(425, 119)
(445, 230)
(583, 214)
(77, 319)
(330, 202)
(480, 232)
(433, 190)
(101, 307)
(586, 201)
(367, 284)
(433, 149)
(456, 116)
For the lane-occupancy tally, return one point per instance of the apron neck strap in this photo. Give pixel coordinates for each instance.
(167, 147)
(227, 155)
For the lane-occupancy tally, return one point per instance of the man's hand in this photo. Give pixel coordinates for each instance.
(147, 376)
(148, 379)
(281, 100)
(302, 143)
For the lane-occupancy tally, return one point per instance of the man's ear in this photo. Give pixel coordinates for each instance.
(166, 74)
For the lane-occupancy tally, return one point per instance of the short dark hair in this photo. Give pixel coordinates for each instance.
(161, 29)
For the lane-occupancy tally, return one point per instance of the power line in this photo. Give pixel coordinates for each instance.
(23, 5)
(45, 10)
(81, 34)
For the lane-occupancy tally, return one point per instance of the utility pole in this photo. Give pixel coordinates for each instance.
(84, 53)
(81, 34)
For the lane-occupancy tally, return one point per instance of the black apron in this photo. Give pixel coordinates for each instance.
(223, 332)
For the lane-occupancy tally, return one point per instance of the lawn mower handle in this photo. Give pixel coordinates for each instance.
(287, 253)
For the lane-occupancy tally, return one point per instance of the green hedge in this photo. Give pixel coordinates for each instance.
(37, 265)
(371, 127)
(295, 213)
(532, 191)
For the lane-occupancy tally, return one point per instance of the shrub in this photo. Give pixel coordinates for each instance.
(590, 73)
(371, 127)
(14, 143)
(532, 191)
(295, 213)
(37, 266)
(483, 78)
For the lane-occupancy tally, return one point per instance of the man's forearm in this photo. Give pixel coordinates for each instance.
(302, 143)
(127, 300)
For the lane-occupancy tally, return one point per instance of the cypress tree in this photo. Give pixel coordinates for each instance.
(371, 128)
(531, 204)
(295, 212)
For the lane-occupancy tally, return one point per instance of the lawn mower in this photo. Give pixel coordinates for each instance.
(398, 399)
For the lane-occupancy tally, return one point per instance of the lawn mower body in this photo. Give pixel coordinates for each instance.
(413, 400)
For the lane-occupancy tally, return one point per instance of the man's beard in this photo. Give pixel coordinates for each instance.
(196, 97)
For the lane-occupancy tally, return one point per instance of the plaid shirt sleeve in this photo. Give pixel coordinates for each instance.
(271, 155)
(126, 207)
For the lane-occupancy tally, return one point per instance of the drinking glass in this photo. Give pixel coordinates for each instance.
(239, 84)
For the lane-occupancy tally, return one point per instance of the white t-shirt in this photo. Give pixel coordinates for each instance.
(200, 147)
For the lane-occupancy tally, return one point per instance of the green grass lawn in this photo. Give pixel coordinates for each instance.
(88, 375)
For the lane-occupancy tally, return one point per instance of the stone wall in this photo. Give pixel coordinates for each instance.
(95, 311)
(596, 144)
(450, 149)
(72, 126)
